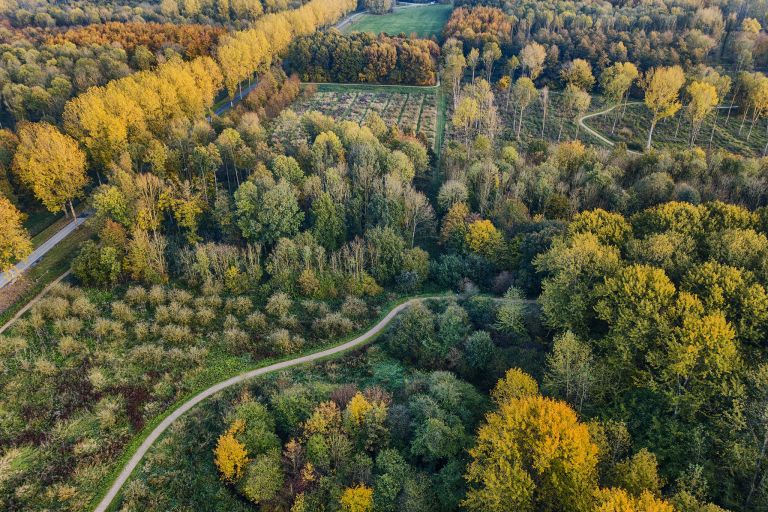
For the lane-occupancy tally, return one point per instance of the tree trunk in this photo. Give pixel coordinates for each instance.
(712, 134)
(560, 132)
(72, 209)
(650, 133)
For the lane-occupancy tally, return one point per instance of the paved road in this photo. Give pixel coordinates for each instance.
(9, 275)
(34, 301)
(189, 404)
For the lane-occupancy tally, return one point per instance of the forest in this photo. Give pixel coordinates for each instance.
(520, 264)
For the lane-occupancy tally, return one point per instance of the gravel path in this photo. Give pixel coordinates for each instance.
(189, 404)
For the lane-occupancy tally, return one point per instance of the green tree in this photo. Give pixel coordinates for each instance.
(265, 216)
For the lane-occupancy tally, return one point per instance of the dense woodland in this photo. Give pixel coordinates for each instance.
(611, 298)
(361, 57)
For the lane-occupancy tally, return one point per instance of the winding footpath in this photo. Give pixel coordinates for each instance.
(597, 134)
(103, 506)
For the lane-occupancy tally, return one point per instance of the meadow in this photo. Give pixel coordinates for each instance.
(422, 20)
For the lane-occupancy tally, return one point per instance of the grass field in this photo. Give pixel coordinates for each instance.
(632, 129)
(413, 109)
(423, 20)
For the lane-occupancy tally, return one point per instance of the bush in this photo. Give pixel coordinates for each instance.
(279, 304)
(332, 325)
(354, 308)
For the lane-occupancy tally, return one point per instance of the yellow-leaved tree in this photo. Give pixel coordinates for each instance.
(662, 90)
(231, 457)
(15, 244)
(531, 454)
(51, 165)
(619, 500)
(357, 499)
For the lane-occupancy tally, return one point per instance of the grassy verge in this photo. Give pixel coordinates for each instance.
(225, 367)
(50, 266)
(423, 20)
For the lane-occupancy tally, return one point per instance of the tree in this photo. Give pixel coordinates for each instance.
(703, 100)
(230, 455)
(15, 244)
(618, 500)
(357, 499)
(265, 216)
(472, 59)
(579, 73)
(328, 223)
(510, 317)
(576, 102)
(51, 165)
(484, 239)
(662, 88)
(491, 53)
(616, 82)
(524, 92)
(531, 454)
(532, 58)
(570, 369)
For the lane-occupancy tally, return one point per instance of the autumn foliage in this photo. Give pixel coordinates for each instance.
(195, 40)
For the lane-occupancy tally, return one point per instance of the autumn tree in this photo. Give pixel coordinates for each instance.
(703, 99)
(51, 165)
(531, 454)
(532, 58)
(230, 454)
(357, 499)
(578, 73)
(524, 92)
(15, 244)
(491, 53)
(616, 81)
(662, 89)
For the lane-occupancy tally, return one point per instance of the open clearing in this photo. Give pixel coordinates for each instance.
(413, 109)
(632, 129)
(423, 20)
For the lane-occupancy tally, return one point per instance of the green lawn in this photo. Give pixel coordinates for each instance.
(423, 20)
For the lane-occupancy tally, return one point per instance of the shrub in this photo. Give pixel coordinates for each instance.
(256, 322)
(136, 296)
(176, 334)
(281, 342)
(157, 295)
(239, 305)
(70, 326)
(83, 308)
(332, 325)
(204, 316)
(279, 304)
(53, 308)
(354, 308)
(236, 340)
(123, 312)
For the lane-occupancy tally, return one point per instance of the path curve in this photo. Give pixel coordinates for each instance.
(189, 404)
(597, 134)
